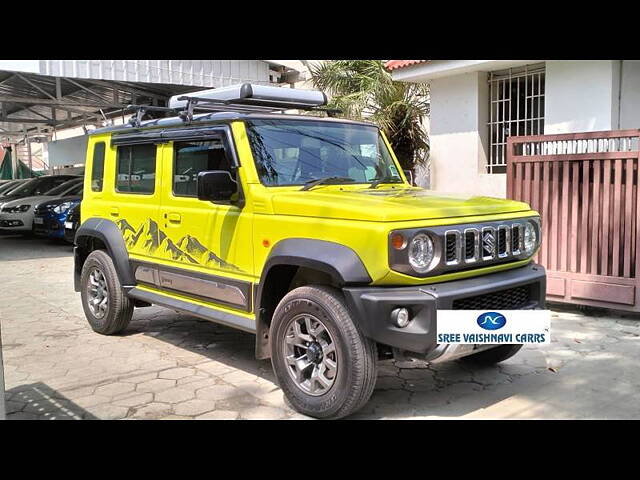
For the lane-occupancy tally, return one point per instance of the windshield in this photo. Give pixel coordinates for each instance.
(294, 152)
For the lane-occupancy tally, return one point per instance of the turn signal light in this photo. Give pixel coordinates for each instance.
(398, 241)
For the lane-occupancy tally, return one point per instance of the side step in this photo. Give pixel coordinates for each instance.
(206, 313)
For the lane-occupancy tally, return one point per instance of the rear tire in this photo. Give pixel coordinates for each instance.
(107, 308)
(493, 355)
(323, 363)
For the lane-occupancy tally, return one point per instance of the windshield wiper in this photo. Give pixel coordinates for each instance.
(325, 180)
(380, 180)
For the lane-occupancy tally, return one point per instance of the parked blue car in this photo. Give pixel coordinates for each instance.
(50, 216)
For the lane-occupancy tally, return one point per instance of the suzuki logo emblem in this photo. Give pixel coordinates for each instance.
(489, 242)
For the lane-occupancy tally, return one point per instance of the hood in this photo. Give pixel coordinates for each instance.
(53, 201)
(388, 205)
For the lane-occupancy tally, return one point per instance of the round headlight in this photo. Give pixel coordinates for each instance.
(530, 238)
(421, 252)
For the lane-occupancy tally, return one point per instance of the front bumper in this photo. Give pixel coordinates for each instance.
(373, 306)
(16, 221)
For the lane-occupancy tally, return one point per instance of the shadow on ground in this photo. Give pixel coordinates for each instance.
(37, 401)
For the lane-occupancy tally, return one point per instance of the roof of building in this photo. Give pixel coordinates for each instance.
(397, 64)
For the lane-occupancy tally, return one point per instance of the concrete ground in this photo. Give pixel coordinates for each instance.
(172, 366)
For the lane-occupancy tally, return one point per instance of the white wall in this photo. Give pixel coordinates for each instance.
(459, 135)
(630, 96)
(581, 95)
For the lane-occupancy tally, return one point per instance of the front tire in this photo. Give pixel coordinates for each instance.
(323, 363)
(107, 308)
(493, 355)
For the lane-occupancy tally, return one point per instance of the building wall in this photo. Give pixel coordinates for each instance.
(630, 94)
(581, 95)
(458, 136)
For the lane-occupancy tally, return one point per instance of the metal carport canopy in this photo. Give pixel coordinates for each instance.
(38, 96)
(32, 104)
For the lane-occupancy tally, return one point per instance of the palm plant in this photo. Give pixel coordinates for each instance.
(363, 89)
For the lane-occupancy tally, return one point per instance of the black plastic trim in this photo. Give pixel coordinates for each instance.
(338, 261)
(372, 306)
(109, 233)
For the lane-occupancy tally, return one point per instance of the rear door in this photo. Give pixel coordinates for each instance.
(134, 196)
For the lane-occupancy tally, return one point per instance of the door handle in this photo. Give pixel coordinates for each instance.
(115, 211)
(174, 217)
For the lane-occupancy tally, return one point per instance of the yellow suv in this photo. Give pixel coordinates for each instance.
(301, 229)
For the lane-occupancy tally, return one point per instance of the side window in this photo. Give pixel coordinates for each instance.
(136, 169)
(191, 158)
(97, 167)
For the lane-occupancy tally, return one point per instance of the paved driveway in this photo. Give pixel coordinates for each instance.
(169, 365)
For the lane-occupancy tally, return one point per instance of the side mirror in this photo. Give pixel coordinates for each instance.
(216, 185)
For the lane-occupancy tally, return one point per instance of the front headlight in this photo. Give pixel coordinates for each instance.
(18, 209)
(530, 238)
(421, 252)
(63, 207)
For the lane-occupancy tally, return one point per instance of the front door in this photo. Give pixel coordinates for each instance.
(205, 246)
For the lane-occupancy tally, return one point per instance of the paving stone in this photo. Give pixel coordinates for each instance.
(108, 411)
(133, 400)
(262, 413)
(155, 385)
(113, 389)
(192, 408)
(176, 373)
(174, 395)
(151, 411)
(219, 392)
(219, 415)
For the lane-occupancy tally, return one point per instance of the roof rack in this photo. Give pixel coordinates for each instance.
(242, 98)
(142, 109)
(246, 97)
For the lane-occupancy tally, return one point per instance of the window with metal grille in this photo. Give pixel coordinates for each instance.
(516, 107)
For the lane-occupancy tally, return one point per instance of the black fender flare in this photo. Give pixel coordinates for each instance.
(109, 234)
(341, 263)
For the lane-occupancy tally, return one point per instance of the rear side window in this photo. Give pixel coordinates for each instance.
(97, 167)
(136, 169)
(191, 158)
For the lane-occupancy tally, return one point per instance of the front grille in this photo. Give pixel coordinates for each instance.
(40, 210)
(469, 245)
(483, 244)
(510, 299)
(451, 248)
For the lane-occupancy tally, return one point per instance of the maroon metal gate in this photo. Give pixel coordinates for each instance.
(585, 186)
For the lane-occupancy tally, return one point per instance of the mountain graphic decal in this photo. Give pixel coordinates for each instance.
(168, 249)
(149, 239)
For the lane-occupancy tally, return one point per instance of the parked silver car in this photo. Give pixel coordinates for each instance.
(17, 215)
